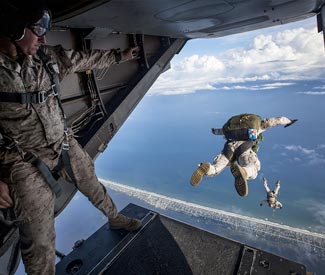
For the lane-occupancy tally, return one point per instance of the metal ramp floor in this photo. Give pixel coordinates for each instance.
(167, 246)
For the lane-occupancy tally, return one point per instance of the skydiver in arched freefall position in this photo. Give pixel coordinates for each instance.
(272, 196)
(243, 132)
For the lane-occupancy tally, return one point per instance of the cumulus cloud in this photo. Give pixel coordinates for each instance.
(201, 64)
(312, 93)
(299, 148)
(301, 154)
(320, 87)
(287, 56)
(269, 86)
(189, 75)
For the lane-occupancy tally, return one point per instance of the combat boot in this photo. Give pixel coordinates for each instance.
(240, 179)
(123, 222)
(201, 171)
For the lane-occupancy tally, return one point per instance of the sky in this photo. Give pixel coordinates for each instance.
(285, 53)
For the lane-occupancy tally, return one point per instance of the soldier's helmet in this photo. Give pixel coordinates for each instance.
(15, 18)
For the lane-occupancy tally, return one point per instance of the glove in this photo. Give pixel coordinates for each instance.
(291, 122)
(213, 130)
(129, 53)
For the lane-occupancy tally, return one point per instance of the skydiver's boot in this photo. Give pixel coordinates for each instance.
(201, 171)
(123, 222)
(240, 179)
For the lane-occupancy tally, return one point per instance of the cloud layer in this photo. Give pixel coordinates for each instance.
(286, 56)
(306, 156)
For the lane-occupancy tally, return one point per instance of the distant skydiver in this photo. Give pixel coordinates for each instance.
(272, 196)
(243, 132)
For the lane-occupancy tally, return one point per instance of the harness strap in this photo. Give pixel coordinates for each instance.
(243, 148)
(8, 143)
(47, 63)
(48, 66)
(233, 155)
(45, 171)
(64, 162)
(229, 154)
(67, 164)
(36, 97)
(40, 97)
(26, 97)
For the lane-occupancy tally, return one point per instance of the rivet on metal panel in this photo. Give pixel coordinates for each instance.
(111, 127)
(265, 264)
(78, 243)
(74, 267)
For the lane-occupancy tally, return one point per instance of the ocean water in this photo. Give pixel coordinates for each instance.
(165, 138)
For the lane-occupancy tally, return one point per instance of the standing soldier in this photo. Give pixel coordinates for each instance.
(272, 196)
(33, 123)
(243, 132)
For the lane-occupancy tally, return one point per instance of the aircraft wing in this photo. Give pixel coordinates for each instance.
(182, 18)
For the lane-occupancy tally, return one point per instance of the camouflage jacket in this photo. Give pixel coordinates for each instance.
(40, 125)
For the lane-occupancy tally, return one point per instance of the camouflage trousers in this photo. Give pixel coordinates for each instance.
(34, 206)
(248, 160)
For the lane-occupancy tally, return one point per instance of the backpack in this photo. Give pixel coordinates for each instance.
(242, 127)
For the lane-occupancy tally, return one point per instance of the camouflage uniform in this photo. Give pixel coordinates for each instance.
(247, 160)
(39, 128)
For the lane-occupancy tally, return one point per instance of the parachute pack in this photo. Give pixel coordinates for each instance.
(242, 127)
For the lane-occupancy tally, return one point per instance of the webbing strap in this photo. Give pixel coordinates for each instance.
(30, 157)
(229, 154)
(243, 148)
(64, 162)
(233, 155)
(67, 165)
(47, 63)
(64, 159)
(45, 171)
(26, 97)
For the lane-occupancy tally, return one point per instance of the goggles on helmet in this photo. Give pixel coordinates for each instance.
(41, 27)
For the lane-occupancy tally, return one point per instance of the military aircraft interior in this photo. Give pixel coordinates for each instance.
(98, 102)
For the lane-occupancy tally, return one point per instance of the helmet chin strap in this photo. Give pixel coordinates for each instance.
(22, 36)
(20, 54)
